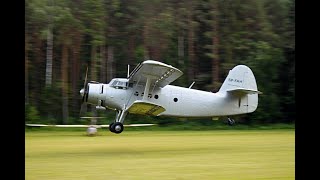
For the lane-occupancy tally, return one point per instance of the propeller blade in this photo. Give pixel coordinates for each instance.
(84, 92)
(85, 79)
(85, 85)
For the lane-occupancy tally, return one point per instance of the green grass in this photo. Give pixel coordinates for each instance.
(218, 154)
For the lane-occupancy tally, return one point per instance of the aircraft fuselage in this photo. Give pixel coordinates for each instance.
(178, 101)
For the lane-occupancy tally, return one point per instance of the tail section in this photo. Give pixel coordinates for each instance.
(241, 88)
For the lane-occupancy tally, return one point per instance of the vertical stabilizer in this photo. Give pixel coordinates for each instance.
(240, 76)
(240, 86)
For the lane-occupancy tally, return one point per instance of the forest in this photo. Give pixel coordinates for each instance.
(202, 38)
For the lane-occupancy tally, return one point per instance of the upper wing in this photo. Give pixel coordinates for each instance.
(161, 74)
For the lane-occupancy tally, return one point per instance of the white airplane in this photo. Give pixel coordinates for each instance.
(146, 91)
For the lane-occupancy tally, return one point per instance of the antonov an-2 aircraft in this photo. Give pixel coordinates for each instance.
(146, 91)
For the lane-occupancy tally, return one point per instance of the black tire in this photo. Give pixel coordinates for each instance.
(117, 127)
(110, 127)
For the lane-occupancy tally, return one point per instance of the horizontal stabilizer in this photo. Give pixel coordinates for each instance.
(242, 91)
(145, 108)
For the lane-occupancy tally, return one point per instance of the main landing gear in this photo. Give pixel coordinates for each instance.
(231, 122)
(117, 126)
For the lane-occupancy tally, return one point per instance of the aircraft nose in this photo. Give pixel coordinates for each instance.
(82, 92)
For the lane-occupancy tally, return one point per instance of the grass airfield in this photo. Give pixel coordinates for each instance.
(214, 154)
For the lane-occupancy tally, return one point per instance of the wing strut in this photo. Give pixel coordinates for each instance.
(146, 89)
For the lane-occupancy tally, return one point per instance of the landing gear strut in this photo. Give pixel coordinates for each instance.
(231, 122)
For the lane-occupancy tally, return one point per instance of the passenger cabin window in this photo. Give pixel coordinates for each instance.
(118, 84)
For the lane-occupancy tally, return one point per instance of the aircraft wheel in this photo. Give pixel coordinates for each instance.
(231, 121)
(117, 127)
(110, 127)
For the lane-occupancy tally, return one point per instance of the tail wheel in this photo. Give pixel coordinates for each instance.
(231, 122)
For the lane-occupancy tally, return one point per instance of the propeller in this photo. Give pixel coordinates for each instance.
(84, 93)
(85, 87)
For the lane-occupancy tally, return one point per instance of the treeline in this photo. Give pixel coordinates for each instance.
(203, 38)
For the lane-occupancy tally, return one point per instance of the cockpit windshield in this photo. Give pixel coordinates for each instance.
(119, 83)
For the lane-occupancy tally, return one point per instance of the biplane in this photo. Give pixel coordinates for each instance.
(147, 91)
